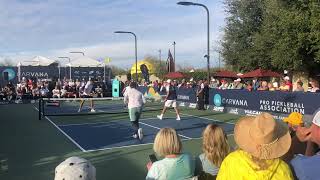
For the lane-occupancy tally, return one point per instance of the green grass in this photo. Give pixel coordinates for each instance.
(31, 149)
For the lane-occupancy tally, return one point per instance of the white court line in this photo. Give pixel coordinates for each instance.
(79, 124)
(204, 118)
(160, 128)
(72, 140)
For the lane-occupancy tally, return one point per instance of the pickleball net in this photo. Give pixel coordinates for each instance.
(70, 106)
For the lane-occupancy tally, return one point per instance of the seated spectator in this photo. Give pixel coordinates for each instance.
(175, 165)
(264, 86)
(262, 141)
(237, 84)
(307, 168)
(299, 87)
(214, 83)
(224, 84)
(64, 92)
(35, 91)
(215, 148)
(314, 85)
(99, 91)
(75, 168)
(44, 91)
(283, 86)
(56, 92)
(249, 86)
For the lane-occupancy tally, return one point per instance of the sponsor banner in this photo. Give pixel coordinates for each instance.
(192, 105)
(265, 101)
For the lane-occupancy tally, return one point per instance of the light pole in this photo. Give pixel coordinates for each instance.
(65, 57)
(160, 64)
(136, 52)
(174, 56)
(186, 3)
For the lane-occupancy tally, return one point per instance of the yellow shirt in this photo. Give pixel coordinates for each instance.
(239, 166)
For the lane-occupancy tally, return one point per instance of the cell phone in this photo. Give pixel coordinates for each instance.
(153, 158)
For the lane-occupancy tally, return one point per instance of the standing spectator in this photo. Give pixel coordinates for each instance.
(206, 94)
(307, 168)
(299, 87)
(200, 96)
(255, 84)
(175, 165)
(215, 148)
(262, 141)
(288, 82)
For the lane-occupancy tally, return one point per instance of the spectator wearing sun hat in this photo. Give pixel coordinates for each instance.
(262, 141)
(307, 168)
(75, 168)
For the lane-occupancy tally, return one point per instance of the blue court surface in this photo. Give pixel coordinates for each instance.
(117, 134)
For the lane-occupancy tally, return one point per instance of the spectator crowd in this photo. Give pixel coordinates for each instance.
(34, 89)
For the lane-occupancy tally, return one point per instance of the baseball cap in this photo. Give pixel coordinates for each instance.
(316, 119)
(75, 168)
(169, 81)
(294, 118)
(286, 78)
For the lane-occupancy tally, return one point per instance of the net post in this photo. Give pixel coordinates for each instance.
(40, 109)
(42, 106)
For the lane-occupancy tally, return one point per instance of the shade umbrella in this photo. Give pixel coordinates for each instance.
(261, 73)
(226, 74)
(174, 75)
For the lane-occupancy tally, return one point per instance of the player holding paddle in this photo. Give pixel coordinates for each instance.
(135, 101)
(170, 100)
(87, 94)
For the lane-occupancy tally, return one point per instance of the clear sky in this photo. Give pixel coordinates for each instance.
(53, 28)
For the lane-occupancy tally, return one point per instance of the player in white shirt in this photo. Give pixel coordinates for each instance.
(87, 94)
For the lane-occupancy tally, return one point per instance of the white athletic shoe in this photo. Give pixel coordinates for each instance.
(79, 110)
(140, 134)
(178, 118)
(93, 110)
(159, 117)
(135, 136)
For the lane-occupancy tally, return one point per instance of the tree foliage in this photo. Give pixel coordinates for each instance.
(282, 34)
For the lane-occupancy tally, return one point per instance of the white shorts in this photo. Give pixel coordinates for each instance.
(170, 103)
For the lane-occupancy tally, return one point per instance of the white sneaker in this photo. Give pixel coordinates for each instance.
(93, 110)
(178, 118)
(135, 136)
(159, 117)
(79, 110)
(140, 134)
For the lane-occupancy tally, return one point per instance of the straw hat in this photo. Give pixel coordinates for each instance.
(262, 136)
(294, 118)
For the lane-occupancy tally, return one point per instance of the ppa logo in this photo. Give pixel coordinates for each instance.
(217, 100)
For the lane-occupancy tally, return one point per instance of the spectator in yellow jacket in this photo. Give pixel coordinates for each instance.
(262, 141)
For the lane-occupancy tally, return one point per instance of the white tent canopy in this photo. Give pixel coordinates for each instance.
(85, 62)
(37, 61)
